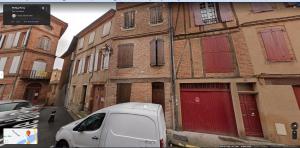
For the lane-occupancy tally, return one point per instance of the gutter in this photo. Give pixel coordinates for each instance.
(174, 97)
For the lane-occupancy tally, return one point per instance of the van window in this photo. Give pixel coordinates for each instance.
(92, 123)
(133, 126)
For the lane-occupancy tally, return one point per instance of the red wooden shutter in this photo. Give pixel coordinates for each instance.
(218, 56)
(278, 35)
(225, 12)
(197, 15)
(275, 45)
(160, 52)
(261, 7)
(153, 52)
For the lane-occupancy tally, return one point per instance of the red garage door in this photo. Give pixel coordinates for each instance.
(207, 108)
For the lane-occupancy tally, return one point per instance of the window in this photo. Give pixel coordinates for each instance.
(97, 61)
(76, 66)
(106, 28)
(261, 7)
(81, 66)
(91, 62)
(15, 64)
(275, 45)
(2, 63)
(123, 92)
(156, 15)
(105, 62)
(22, 104)
(217, 54)
(129, 19)
(91, 123)
(39, 66)
(91, 38)
(44, 43)
(86, 65)
(157, 52)
(80, 43)
(125, 55)
(207, 13)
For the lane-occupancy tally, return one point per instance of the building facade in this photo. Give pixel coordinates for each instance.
(53, 93)
(27, 55)
(237, 69)
(220, 68)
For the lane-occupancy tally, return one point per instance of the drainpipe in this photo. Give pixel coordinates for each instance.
(20, 64)
(174, 97)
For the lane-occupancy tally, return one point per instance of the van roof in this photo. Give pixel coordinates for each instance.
(133, 108)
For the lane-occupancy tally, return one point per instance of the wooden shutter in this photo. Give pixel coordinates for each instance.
(16, 39)
(275, 45)
(91, 62)
(78, 66)
(261, 7)
(92, 37)
(217, 54)
(123, 92)
(153, 52)
(96, 60)
(74, 67)
(2, 63)
(197, 15)
(106, 28)
(160, 52)
(15, 64)
(125, 55)
(2, 37)
(9, 41)
(24, 44)
(225, 12)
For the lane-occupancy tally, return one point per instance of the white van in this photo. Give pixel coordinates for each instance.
(123, 125)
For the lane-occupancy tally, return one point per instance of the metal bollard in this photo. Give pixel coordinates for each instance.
(51, 117)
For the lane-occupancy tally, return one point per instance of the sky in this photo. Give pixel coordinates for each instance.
(78, 16)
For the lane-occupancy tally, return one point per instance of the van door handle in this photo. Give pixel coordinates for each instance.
(95, 138)
(149, 142)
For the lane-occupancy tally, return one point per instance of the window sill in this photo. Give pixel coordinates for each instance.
(158, 24)
(127, 29)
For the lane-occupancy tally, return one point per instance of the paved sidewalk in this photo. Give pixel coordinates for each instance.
(192, 139)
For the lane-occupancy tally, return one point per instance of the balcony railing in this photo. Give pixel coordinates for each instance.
(35, 74)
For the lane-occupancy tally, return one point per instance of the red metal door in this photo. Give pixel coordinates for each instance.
(208, 110)
(250, 115)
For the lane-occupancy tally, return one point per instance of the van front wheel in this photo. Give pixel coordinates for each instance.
(62, 144)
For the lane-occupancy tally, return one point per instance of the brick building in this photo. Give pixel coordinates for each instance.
(54, 87)
(233, 65)
(237, 69)
(27, 55)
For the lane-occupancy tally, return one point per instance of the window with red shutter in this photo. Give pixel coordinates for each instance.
(217, 54)
(261, 7)
(275, 45)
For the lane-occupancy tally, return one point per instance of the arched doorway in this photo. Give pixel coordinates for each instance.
(32, 92)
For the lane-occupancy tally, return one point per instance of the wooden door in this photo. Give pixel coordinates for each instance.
(250, 114)
(98, 97)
